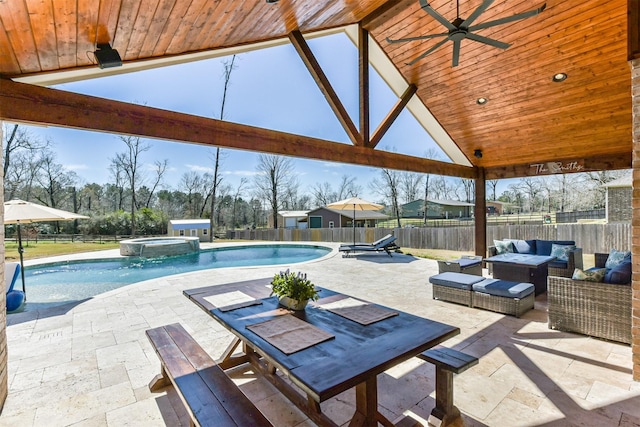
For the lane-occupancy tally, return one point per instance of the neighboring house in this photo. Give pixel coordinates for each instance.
(437, 209)
(334, 218)
(189, 227)
(495, 207)
(618, 199)
(290, 219)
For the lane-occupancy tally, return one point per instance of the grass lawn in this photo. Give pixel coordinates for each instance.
(33, 250)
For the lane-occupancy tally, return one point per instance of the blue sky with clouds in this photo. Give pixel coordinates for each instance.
(269, 88)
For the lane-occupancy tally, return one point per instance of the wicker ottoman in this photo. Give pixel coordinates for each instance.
(454, 287)
(503, 296)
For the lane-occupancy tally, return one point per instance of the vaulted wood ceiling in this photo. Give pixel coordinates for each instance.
(528, 119)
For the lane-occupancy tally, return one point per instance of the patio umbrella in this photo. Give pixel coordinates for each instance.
(357, 204)
(20, 212)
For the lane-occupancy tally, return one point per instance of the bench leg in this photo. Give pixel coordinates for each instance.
(160, 381)
(445, 411)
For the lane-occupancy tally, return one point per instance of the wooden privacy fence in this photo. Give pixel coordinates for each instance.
(590, 237)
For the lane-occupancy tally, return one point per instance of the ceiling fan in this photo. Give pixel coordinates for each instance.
(460, 29)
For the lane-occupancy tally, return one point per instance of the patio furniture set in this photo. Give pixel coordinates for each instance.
(353, 339)
(594, 302)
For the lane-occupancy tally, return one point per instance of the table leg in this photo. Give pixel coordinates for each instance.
(228, 360)
(367, 414)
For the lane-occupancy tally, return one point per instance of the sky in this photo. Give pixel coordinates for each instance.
(269, 88)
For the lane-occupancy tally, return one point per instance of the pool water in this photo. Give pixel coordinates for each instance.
(58, 283)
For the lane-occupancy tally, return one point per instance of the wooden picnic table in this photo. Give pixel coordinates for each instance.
(352, 357)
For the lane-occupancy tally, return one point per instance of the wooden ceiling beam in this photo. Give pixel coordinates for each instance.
(301, 46)
(556, 166)
(363, 78)
(393, 115)
(25, 103)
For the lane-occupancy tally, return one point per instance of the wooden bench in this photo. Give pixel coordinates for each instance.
(447, 362)
(209, 395)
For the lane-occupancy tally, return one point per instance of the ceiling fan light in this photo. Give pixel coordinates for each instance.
(559, 77)
(481, 101)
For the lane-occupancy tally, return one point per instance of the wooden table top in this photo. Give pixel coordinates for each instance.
(526, 260)
(326, 369)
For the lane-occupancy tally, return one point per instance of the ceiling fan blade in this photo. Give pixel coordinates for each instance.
(487, 40)
(425, 6)
(456, 53)
(410, 39)
(437, 45)
(485, 4)
(501, 21)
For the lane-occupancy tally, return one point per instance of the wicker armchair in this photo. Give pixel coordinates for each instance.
(600, 310)
(456, 267)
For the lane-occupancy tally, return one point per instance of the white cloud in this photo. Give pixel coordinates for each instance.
(77, 167)
(198, 168)
(241, 173)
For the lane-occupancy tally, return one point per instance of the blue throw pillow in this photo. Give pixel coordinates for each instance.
(561, 252)
(620, 274)
(503, 246)
(616, 257)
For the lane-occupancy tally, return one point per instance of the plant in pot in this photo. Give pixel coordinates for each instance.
(294, 290)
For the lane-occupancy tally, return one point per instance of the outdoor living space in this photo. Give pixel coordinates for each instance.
(91, 363)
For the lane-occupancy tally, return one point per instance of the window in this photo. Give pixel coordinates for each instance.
(205, 231)
(194, 232)
(181, 233)
(330, 224)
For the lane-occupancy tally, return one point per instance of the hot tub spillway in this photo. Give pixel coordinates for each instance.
(153, 247)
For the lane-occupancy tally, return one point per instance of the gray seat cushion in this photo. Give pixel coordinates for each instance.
(455, 280)
(504, 288)
(465, 262)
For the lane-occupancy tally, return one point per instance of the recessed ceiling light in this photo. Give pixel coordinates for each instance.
(481, 101)
(559, 77)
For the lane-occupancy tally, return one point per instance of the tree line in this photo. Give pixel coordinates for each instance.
(137, 201)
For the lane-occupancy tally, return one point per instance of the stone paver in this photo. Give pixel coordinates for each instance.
(89, 364)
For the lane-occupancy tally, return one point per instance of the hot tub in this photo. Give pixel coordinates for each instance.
(153, 247)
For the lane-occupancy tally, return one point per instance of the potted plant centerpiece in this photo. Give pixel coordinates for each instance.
(294, 290)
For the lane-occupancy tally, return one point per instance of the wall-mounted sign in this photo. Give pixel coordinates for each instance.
(558, 167)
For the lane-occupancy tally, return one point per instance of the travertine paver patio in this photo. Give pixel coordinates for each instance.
(90, 364)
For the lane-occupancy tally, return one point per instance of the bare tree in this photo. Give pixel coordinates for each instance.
(20, 166)
(239, 189)
(347, 188)
(388, 186)
(493, 185)
(217, 178)
(468, 188)
(129, 163)
(275, 174)
(431, 153)
(160, 169)
(323, 194)
(410, 183)
(54, 180)
(532, 188)
(193, 184)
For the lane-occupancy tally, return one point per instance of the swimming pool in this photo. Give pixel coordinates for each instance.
(63, 282)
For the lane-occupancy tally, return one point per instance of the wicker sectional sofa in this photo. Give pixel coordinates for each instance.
(543, 247)
(596, 309)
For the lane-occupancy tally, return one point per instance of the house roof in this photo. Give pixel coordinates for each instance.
(625, 181)
(183, 224)
(293, 214)
(442, 202)
(529, 125)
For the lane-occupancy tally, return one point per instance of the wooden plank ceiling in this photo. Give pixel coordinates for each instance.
(528, 119)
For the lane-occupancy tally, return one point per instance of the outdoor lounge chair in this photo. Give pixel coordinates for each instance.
(386, 244)
(15, 297)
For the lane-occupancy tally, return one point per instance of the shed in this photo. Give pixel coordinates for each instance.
(190, 227)
(290, 219)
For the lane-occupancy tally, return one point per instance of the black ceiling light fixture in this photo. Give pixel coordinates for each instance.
(272, 1)
(559, 77)
(107, 56)
(478, 153)
(460, 29)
